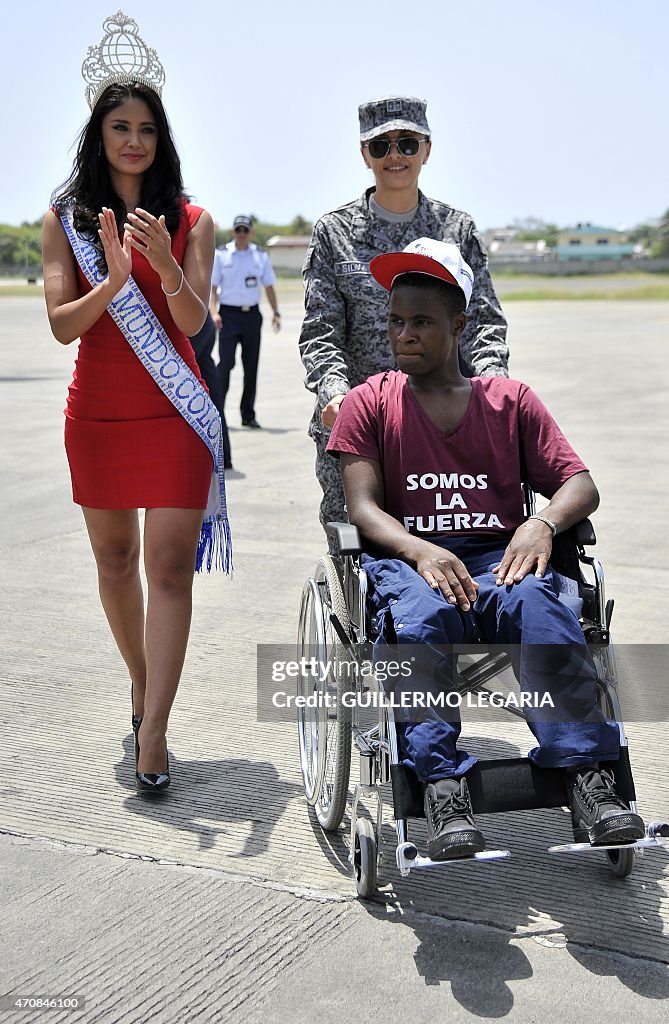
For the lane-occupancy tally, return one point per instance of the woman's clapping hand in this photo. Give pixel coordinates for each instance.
(118, 255)
(149, 236)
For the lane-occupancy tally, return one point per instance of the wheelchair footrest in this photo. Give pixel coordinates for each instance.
(505, 784)
(657, 834)
(587, 848)
(408, 858)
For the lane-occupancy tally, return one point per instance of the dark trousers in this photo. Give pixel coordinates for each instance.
(203, 344)
(243, 329)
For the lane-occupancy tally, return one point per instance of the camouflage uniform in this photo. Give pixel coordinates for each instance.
(344, 336)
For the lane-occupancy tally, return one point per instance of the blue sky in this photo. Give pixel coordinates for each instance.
(552, 110)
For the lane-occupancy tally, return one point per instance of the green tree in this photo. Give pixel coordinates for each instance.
(264, 230)
(661, 244)
(643, 234)
(532, 229)
(21, 247)
(300, 226)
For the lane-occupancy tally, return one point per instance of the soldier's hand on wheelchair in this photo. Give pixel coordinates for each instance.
(529, 549)
(329, 413)
(444, 571)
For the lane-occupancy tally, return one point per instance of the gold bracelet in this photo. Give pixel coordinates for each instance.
(171, 295)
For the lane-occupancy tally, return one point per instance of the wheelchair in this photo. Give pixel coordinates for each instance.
(336, 678)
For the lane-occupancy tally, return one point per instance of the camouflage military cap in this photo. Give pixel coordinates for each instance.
(391, 112)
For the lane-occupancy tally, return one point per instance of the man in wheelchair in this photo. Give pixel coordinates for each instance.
(433, 464)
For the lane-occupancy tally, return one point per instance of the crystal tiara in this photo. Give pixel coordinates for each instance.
(121, 57)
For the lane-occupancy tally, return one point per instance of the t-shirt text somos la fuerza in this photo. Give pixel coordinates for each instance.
(464, 482)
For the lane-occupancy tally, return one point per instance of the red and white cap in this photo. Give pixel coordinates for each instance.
(425, 256)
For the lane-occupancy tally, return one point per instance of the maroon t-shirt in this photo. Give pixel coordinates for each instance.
(464, 482)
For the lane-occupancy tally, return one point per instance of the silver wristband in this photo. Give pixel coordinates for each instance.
(171, 295)
(549, 523)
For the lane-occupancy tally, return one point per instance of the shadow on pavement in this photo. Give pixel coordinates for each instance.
(235, 791)
(334, 845)
(572, 901)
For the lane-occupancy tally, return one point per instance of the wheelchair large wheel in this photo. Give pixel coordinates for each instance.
(331, 802)
(607, 683)
(325, 731)
(311, 720)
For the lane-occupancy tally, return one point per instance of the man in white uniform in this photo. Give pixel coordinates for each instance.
(241, 269)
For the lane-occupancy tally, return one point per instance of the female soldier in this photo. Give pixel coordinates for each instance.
(344, 334)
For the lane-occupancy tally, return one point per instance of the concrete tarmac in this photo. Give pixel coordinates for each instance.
(225, 901)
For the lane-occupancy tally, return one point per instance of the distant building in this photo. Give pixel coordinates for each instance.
(590, 242)
(496, 235)
(504, 246)
(287, 252)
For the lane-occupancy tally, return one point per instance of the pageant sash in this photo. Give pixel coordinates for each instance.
(149, 341)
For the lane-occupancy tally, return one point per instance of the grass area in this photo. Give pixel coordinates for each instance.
(648, 292)
(641, 275)
(20, 290)
(286, 286)
(290, 285)
(552, 290)
(636, 287)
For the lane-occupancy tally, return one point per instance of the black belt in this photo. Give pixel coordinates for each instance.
(240, 309)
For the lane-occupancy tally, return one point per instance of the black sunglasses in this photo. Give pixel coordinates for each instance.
(378, 148)
(241, 230)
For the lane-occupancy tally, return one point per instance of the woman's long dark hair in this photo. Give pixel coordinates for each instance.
(89, 186)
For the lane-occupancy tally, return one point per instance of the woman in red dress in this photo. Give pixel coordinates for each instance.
(127, 446)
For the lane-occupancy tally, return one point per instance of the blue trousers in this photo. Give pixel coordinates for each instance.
(543, 637)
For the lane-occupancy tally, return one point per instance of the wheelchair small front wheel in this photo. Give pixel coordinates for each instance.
(365, 858)
(621, 861)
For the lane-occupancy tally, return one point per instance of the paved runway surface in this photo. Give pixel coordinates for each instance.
(225, 901)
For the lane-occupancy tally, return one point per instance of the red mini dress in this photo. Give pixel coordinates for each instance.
(126, 444)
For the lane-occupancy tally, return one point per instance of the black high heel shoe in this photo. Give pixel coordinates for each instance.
(149, 783)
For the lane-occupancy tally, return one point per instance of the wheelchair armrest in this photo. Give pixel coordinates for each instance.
(346, 538)
(584, 533)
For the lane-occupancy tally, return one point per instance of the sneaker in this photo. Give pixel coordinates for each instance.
(451, 830)
(598, 815)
